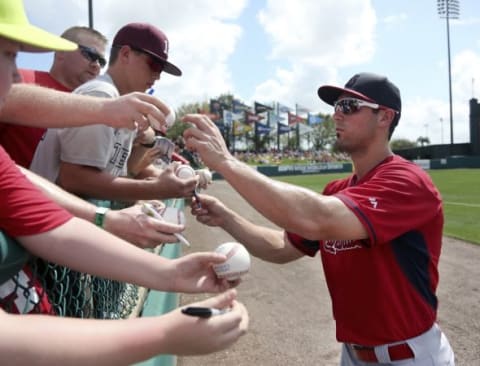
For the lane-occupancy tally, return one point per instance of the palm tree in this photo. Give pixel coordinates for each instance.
(422, 141)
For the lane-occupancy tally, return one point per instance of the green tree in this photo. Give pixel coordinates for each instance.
(399, 144)
(323, 134)
(422, 141)
(178, 127)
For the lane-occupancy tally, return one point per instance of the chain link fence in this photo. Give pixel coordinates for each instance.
(44, 287)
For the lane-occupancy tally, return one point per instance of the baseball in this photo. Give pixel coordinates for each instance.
(205, 177)
(170, 118)
(185, 172)
(237, 263)
(155, 123)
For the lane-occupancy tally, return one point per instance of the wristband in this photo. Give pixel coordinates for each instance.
(100, 216)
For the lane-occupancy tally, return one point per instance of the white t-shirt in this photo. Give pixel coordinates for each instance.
(100, 146)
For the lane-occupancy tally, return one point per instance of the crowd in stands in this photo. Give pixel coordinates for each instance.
(274, 157)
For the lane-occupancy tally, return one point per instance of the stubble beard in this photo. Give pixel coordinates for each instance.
(341, 147)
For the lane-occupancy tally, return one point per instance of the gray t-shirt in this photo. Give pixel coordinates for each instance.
(100, 146)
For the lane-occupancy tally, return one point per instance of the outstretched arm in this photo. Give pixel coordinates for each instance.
(91, 182)
(262, 242)
(83, 247)
(46, 340)
(293, 208)
(43, 107)
(130, 224)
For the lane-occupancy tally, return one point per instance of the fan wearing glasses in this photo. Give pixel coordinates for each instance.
(91, 161)
(69, 70)
(378, 231)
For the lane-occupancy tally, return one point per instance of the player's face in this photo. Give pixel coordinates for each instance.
(355, 131)
(8, 67)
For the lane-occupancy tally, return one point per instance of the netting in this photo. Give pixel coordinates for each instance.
(47, 288)
(62, 291)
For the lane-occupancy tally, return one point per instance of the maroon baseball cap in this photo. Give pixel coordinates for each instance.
(149, 39)
(367, 86)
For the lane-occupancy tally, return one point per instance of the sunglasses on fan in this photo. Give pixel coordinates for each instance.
(92, 55)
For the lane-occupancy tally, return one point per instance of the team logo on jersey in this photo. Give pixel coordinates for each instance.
(373, 201)
(334, 246)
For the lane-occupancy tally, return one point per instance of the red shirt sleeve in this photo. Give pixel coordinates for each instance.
(307, 247)
(392, 200)
(24, 209)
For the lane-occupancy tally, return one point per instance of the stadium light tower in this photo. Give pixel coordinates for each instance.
(449, 9)
(90, 13)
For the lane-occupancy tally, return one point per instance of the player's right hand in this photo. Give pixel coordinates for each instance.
(211, 212)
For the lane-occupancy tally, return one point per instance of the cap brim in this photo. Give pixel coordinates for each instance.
(168, 67)
(34, 39)
(171, 69)
(330, 94)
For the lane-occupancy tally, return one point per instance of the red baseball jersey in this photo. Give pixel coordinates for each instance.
(383, 289)
(20, 142)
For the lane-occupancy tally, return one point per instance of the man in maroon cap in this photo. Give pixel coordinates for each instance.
(378, 231)
(91, 161)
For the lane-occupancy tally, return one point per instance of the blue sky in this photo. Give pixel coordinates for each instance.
(283, 50)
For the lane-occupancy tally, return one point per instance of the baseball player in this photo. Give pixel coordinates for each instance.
(379, 231)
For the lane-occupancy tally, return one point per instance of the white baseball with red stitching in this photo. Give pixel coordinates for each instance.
(170, 118)
(237, 263)
(185, 172)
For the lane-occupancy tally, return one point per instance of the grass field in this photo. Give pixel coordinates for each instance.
(460, 190)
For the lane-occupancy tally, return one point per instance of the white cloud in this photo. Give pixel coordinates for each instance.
(317, 32)
(311, 43)
(466, 75)
(202, 36)
(296, 85)
(421, 117)
(395, 19)
(316, 41)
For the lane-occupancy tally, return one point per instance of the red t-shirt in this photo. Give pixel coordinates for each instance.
(20, 142)
(383, 288)
(24, 209)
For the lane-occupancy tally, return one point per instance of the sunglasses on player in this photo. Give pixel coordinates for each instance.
(92, 55)
(353, 105)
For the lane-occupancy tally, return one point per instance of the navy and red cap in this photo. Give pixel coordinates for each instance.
(367, 86)
(149, 39)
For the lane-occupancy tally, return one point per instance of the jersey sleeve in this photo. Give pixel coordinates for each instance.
(392, 202)
(24, 209)
(308, 247)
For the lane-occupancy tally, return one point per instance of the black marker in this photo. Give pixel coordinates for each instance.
(202, 312)
(199, 204)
